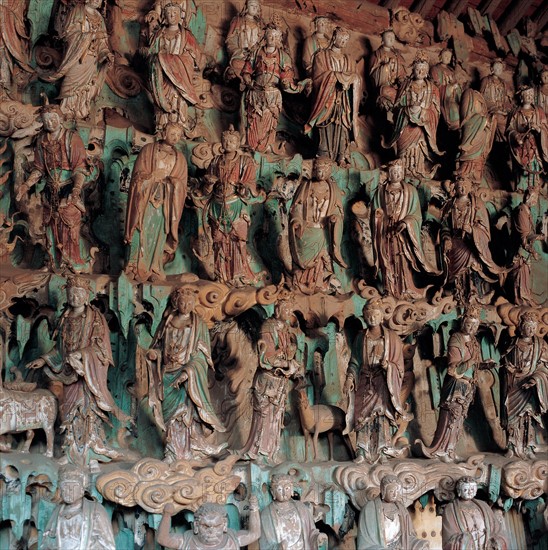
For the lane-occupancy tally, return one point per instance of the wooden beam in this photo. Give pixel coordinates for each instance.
(541, 16)
(390, 4)
(488, 7)
(455, 7)
(357, 15)
(517, 10)
(423, 7)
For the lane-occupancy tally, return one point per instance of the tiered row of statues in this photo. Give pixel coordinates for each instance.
(247, 241)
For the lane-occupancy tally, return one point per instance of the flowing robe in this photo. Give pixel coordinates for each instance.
(387, 69)
(155, 206)
(460, 534)
(86, 400)
(293, 527)
(227, 218)
(83, 67)
(477, 135)
(184, 409)
(371, 535)
(312, 44)
(459, 388)
(315, 231)
(277, 363)
(525, 237)
(378, 374)
(262, 104)
(541, 98)
(399, 254)
(494, 91)
(59, 161)
(13, 44)
(418, 112)
(450, 93)
(529, 146)
(524, 407)
(337, 93)
(175, 66)
(470, 234)
(243, 36)
(90, 530)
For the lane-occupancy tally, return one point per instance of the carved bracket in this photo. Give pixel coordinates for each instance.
(151, 484)
(362, 482)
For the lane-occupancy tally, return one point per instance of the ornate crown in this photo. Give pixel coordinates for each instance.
(75, 281)
(190, 291)
(421, 57)
(472, 311)
(529, 317)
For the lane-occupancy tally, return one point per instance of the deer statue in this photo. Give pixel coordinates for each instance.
(318, 419)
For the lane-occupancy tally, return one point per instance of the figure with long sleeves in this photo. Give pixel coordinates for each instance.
(267, 71)
(374, 386)
(469, 522)
(524, 237)
(231, 179)
(77, 522)
(541, 91)
(318, 40)
(86, 60)
(58, 177)
(493, 88)
(14, 54)
(178, 362)
(477, 128)
(245, 33)
(416, 113)
(176, 63)
(279, 360)
(155, 206)
(337, 94)
(210, 529)
(444, 77)
(387, 70)
(315, 230)
(80, 362)
(396, 222)
(466, 235)
(287, 523)
(156, 17)
(525, 386)
(459, 387)
(528, 140)
(385, 522)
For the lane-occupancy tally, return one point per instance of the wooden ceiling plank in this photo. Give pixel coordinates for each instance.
(390, 4)
(423, 7)
(540, 16)
(455, 7)
(488, 7)
(518, 10)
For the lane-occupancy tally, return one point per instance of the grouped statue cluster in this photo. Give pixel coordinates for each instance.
(223, 235)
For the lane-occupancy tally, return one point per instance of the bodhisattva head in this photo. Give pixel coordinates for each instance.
(78, 290)
(390, 489)
(184, 300)
(72, 483)
(528, 324)
(467, 488)
(281, 487)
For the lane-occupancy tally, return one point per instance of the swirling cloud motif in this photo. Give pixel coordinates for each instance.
(525, 480)
(151, 484)
(362, 482)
